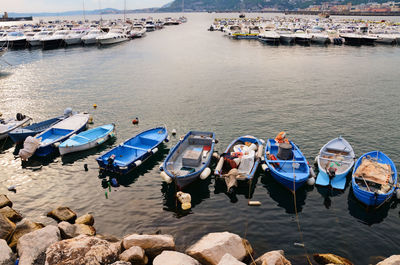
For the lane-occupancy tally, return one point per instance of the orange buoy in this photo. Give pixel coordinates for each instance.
(135, 121)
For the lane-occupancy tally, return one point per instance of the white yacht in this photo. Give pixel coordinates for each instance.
(384, 37)
(150, 26)
(269, 36)
(319, 36)
(3, 38)
(302, 37)
(54, 41)
(35, 40)
(91, 37)
(286, 35)
(115, 35)
(16, 39)
(137, 31)
(75, 37)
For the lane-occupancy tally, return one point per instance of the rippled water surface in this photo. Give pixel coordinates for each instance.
(189, 78)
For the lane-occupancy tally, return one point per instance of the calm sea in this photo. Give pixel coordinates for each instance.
(189, 78)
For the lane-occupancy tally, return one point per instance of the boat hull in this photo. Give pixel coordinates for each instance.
(111, 41)
(52, 44)
(17, 124)
(73, 41)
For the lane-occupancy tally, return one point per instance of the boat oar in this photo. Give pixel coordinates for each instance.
(365, 183)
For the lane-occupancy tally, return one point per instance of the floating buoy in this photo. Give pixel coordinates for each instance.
(264, 167)
(298, 244)
(94, 106)
(206, 172)
(311, 181)
(135, 121)
(173, 132)
(398, 193)
(165, 177)
(12, 188)
(90, 120)
(185, 200)
(85, 167)
(254, 203)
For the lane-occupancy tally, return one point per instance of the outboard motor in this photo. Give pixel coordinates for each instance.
(20, 116)
(68, 112)
(331, 173)
(285, 151)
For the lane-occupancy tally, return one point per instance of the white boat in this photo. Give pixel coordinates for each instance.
(270, 36)
(137, 31)
(54, 41)
(335, 160)
(385, 38)
(9, 125)
(36, 39)
(75, 37)
(150, 26)
(3, 38)
(319, 37)
(16, 39)
(302, 37)
(91, 37)
(286, 35)
(115, 35)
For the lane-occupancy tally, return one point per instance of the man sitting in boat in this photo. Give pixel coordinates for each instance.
(281, 138)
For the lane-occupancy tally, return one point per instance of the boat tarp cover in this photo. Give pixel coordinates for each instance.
(30, 146)
(374, 171)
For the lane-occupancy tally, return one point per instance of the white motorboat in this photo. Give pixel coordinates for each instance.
(137, 31)
(75, 37)
(9, 125)
(91, 37)
(319, 37)
(16, 39)
(36, 39)
(54, 41)
(286, 35)
(269, 36)
(385, 38)
(302, 37)
(150, 26)
(3, 38)
(115, 35)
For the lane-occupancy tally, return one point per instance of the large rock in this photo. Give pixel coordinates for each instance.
(24, 227)
(228, 259)
(275, 257)
(83, 250)
(392, 260)
(82, 229)
(212, 247)
(7, 257)
(134, 255)
(86, 219)
(11, 214)
(4, 201)
(62, 214)
(174, 258)
(153, 245)
(331, 258)
(6, 227)
(67, 230)
(109, 238)
(32, 247)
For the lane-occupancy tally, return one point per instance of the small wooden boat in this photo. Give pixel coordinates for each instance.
(374, 178)
(133, 152)
(87, 139)
(292, 171)
(189, 159)
(7, 126)
(20, 134)
(335, 160)
(240, 160)
(52, 137)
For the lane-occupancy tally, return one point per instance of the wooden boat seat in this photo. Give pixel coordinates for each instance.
(135, 147)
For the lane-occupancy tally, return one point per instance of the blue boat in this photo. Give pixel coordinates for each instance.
(133, 152)
(248, 156)
(335, 160)
(87, 139)
(189, 159)
(19, 135)
(374, 189)
(291, 173)
(52, 137)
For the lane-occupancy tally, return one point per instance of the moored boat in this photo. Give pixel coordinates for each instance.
(87, 139)
(335, 160)
(189, 159)
(7, 126)
(133, 152)
(374, 178)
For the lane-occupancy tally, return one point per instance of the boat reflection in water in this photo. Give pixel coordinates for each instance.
(327, 193)
(245, 188)
(285, 197)
(369, 215)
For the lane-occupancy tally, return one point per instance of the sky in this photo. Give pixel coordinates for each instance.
(26, 6)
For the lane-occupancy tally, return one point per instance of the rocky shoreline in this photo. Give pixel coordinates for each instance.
(74, 241)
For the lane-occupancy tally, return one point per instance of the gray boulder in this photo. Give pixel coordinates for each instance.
(32, 246)
(174, 258)
(62, 214)
(228, 259)
(153, 245)
(86, 219)
(4, 201)
(82, 229)
(210, 249)
(83, 249)
(135, 255)
(6, 227)
(11, 214)
(392, 260)
(24, 227)
(275, 257)
(7, 257)
(67, 230)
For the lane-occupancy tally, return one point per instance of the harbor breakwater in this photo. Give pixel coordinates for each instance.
(73, 240)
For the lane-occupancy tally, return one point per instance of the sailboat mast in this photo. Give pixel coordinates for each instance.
(84, 15)
(124, 10)
(101, 15)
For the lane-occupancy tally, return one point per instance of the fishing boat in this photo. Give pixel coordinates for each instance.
(286, 163)
(20, 134)
(335, 160)
(189, 159)
(53, 136)
(240, 160)
(133, 152)
(374, 178)
(87, 139)
(7, 126)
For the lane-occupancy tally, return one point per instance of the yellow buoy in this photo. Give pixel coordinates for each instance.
(94, 106)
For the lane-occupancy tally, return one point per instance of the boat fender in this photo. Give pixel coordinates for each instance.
(114, 182)
(264, 167)
(161, 168)
(154, 150)
(12, 188)
(181, 138)
(312, 173)
(262, 141)
(206, 172)
(165, 177)
(216, 155)
(185, 200)
(56, 145)
(219, 166)
(398, 193)
(167, 139)
(173, 132)
(311, 181)
(90, 120)
(138, 163)
(253, 147)
(260, 152)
